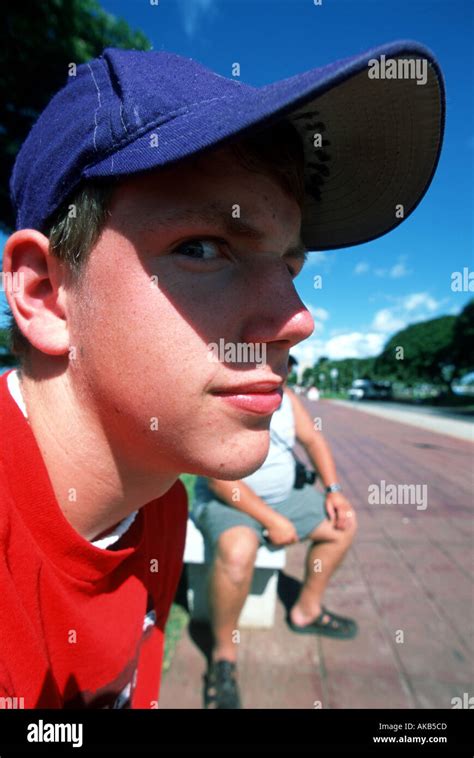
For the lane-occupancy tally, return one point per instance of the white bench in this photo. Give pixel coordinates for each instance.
(259, 609)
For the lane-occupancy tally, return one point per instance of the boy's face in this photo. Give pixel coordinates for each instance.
(167, 279)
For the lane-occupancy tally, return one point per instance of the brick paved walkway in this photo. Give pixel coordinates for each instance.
(409, 570)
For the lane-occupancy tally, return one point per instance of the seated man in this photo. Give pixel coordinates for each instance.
(236, 517)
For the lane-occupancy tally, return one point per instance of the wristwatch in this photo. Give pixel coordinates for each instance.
(333, 488)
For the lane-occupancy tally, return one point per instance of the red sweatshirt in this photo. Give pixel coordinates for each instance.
(79, 626)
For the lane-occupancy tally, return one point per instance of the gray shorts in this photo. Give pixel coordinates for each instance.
(304, 508)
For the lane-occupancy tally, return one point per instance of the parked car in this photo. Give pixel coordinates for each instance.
(464, 386)
(365, 389)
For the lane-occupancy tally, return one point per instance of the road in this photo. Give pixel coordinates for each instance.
(434, 419)
(428, 410)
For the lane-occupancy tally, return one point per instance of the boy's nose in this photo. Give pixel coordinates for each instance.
(287, 322)
(298, 327)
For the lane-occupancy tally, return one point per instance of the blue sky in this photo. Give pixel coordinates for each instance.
(369, 291)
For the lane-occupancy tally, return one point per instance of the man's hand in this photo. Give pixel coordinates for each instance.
(280, 530)
(339, 510)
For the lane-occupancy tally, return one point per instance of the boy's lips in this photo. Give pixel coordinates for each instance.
(250, 387)
(257, 397)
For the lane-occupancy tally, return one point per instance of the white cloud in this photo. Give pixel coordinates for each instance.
(348, 345)
(398, 270)
(354, 345)
(309, 351)
(387, 321)
(320, 314)
(418, 306)
(420, 300)
(414, 307)
(320, 259)
(192, 12)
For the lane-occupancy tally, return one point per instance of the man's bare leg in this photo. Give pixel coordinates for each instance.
(229, 584)
(328, 546)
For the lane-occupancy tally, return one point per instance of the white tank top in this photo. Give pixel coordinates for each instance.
(275, 478)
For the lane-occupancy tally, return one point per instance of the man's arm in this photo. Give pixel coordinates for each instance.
(239, 495)
(320, 454)
(313, 441)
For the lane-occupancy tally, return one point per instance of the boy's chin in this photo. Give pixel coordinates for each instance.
(232, 470)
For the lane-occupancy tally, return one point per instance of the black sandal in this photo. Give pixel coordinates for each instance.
(220, 688)
(327, 624)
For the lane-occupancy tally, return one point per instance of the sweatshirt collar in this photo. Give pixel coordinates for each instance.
(34, 498)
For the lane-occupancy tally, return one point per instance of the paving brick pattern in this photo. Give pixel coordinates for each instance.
(408, 573)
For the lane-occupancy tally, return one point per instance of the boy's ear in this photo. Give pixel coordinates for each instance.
(32, 282)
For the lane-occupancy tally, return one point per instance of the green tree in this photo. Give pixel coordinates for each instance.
(38, 41)
(348, 368)
(462, 346)
(307, 378)
(418, 353)
(6, 357)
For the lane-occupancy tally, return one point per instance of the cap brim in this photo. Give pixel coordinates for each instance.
(381, 140)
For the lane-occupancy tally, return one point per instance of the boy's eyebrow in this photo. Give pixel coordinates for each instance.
(220, 216)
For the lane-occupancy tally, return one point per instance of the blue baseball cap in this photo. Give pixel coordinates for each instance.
(371, 127)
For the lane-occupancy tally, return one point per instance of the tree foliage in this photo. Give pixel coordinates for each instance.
(462, 348)
(418, 353)
(38, 41)
(434, 351)
(348, 370)
(6, 357)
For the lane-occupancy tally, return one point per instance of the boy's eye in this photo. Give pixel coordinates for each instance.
(295, 269)
(199, 249)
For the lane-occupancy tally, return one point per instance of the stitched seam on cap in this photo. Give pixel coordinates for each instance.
(121, 119)
(132, 136)
(97, 109)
